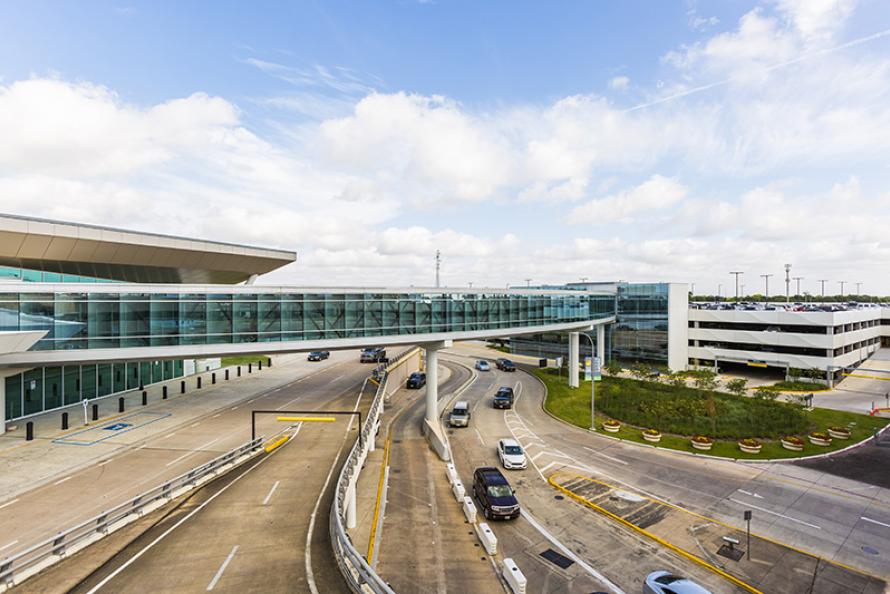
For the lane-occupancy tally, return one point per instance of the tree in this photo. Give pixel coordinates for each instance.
(815, 375)
(764, 393)
(738, 386)
(794, 373)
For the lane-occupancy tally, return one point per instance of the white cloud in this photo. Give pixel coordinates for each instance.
(656, 193)
(817, 19)
(619, 83)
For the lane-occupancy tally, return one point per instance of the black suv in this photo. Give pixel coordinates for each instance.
(503, 398)
(494, 494)
(318, 356)
(417, 380)
(505, 365)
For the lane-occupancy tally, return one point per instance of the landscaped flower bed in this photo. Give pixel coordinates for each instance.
(792, 443)
(653, 435)
(702, 442)
(820, 438)
(750, 446)
(612, 426)
(839, 432)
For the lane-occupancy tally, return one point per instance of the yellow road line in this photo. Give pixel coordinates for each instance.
(862, 375)
(308, 419)
(274, 445)
(374, 520)
(730, 527)
(698, 560)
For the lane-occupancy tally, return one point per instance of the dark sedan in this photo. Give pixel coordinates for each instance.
(318, 356)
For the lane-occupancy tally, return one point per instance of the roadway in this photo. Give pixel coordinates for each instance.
(34, 515)
(831, 516)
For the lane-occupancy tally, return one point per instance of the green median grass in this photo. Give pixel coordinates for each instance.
(244, 360)
(680, 412)
(797, 387)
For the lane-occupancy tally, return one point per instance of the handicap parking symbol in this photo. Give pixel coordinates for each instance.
(117, 426)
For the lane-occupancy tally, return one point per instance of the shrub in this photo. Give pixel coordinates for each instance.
(819, 435)
(652, 432)
(612, 423)
(702, 439)
(750, 443)
(793, 439)
(613, 367)
(838, 429)
(737, 386)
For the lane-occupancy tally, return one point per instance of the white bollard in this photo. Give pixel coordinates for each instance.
(487, 538)
(458, 489)
(470, 510)
(514, 577)
(451, 473)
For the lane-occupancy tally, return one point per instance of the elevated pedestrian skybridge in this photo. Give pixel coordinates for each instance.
(88, 322)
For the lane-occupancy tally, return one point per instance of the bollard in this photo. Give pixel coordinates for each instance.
(250, 368)
(144, 398)
(120, 404)
(64, 421)
(199, 382)
(213, 378)
(95, 412)
(227, 375)
(29, 431)
(269, 362)
(164, 393)
(182, 387)
(259, 365)
(239, 371)
(141, 386)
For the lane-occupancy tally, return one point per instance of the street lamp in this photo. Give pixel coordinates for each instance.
(765, 277)
(842, 283)
(822, 281)
(798, 279)
(592, 386)
(736, 283)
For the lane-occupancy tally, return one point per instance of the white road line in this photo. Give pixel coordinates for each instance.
(338, 378)
(546, 468)
(145, 445)
(875, 522)
(271, 491)
(8, 503)
(234, 408)
(776, 514)
(193, 452)
(9, 544)
(482, 441)
(195, 424)
(538, 455)
(216, 415)
(103, 463)
(169, 435)
(559, 454)
(221, 569)
(749, 494)
(60, 481)
(151, 545)
(571, 555)
(606, 456)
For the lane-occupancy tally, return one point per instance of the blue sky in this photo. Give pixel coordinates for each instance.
(366, 135)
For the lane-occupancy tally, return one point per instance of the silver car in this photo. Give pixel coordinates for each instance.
(482, 365)
(664, 582)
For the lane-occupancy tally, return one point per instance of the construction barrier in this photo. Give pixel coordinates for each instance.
(470, 510)
(487, 538)
(514, 578)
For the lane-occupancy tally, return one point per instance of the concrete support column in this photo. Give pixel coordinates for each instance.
(432, 384)
(2, 404)
(601, 343)
(573, 359)
(351, 514)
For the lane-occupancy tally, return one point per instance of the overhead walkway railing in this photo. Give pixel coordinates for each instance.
(18, 567)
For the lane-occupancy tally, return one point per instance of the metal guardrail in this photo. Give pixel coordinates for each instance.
(359, 575)
(55, 548)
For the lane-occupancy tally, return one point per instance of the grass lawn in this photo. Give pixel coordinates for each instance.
(244, 360)
(573, 406)
(797, 387)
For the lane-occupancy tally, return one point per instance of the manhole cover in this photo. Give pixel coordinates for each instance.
(558, 497)
(871, 550)
(557, 558)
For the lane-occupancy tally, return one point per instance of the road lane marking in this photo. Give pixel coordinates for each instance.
(606, 456)
(195, 424)
(875, 522)
(546, 468)
(169, 435)
(776, 514)
(193, 452)
(749, 494)
(9, 544)
(558, 454)
(8, 503)
(538, 455)
(479, 435)
(234, 408)
(570, 554)
(60, 481)
(221, 569)
(271, 491)
(103, 463)
(215, 416)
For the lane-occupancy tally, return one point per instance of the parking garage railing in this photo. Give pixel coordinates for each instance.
(18, 567)
(359, 575)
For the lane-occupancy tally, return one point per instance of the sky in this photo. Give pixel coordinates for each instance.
(539, 142)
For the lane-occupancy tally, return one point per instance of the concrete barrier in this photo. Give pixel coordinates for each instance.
(514, 577)
(487, 538)
(470, 510)
(450, 473)
(438, 439)
(457, 488)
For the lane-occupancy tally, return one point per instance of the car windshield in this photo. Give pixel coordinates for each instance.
(459, 412)
(500, 491)
(415, 376)
(513, 450)
(667, 579)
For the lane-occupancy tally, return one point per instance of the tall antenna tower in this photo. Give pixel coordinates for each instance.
(438, 265)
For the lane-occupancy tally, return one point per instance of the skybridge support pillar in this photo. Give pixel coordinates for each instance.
(574, 338)
(601, 343)
(434, 432)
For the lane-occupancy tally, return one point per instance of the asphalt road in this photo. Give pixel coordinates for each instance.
(248, 531)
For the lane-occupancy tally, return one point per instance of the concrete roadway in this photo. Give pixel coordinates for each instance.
(137, 465)
(831, 516)
(248, 531)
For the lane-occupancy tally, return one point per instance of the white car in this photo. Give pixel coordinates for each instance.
(483, 365)
(664, 582)
(511, 454)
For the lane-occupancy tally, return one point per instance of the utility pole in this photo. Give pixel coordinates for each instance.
(822, 281)
(736, 283)
(787, 283)
(842, 283)
(859, 288)
(798, 279)
(765, 277)
(438, 264)
(719, 291)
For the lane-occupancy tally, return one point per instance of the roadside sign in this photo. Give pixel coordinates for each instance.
(588, 368)
(597, 369)
(559, 362)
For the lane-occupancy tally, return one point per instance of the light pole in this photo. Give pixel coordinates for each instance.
(787, 283)
(719, 291)
(438, 263)
(528, 283)
(822, 281)
(859, 288)
(842, 283)
(743, 288)
(798, 279)
(765, 277)
(592, 385)
(736, 283)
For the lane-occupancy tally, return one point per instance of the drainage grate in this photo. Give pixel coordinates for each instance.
(557, 559)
